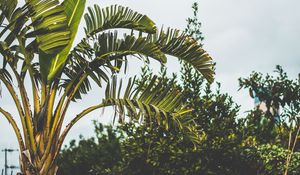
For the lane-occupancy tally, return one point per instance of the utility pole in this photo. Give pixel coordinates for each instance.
(6, 167)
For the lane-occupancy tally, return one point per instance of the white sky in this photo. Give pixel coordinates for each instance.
(240, 35)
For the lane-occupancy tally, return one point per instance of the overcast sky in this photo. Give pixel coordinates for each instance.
(240, 35)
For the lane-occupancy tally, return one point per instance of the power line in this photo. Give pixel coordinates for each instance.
(6, 166)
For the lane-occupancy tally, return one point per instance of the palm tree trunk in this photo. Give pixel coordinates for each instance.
(49, 168)
(41, 162)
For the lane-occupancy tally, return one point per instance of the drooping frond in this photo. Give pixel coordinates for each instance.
(108, 45)
(172, 42)
(14, 19)
(7, 7)
(145, 102)
(176, 43)
(110, 52)
(151, 104)
(116, 16)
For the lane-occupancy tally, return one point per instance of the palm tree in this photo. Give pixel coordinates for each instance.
(36, 46)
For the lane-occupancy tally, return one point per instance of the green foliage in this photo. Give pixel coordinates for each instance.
(97, 155)
(98, 19)
(36, 46)
(152, 150)
(148, 151)
(270, 159)
(138, 149)
(278, 92)
(282, 100)
(228, 145)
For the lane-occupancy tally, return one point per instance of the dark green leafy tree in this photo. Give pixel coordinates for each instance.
(279, 122)
(270, 159)
(281, 97)
(98, 155)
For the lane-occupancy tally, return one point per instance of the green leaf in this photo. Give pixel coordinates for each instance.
(54, 63)
(175, 43)
(7, 7)
(146, 100)
(50, 26)
(108, 45)
(108, 49)
(115, 16)
(147, 103)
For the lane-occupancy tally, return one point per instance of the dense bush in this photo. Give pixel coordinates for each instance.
(97, 155)
(271, 159)
(147, 151)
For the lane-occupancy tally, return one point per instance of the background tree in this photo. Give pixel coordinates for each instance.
(97, 155)
(279, 123)
(282, 100)
(36, 45)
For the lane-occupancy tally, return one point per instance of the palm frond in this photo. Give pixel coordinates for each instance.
(116, 16)
(145, 102)
(151, 103)
(108, 45)
(108, 52)
(73, 9)
(15, 18)
(178, 44)
(109, 48)
(7, 7)
(4, 75)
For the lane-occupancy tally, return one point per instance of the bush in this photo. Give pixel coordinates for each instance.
(270, 159)
(99, 155)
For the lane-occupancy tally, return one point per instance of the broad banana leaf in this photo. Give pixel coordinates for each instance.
(51, 64)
